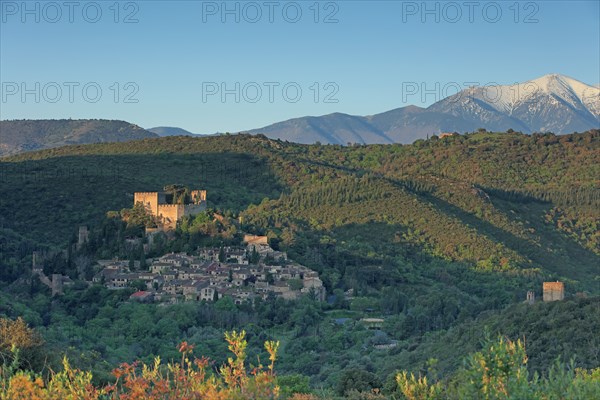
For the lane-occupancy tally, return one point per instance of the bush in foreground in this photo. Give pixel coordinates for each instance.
(497, 372)
(187, 379)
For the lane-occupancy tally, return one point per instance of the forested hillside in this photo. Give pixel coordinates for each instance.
(440, 237)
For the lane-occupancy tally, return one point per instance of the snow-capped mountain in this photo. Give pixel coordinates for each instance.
(552, 103)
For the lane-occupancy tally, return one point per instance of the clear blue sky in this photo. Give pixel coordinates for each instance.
(178, 54)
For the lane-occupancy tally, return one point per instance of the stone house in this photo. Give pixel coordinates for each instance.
(207, 293)
(159, 267)
(169, 275)
(176, 259)
(191, 289)
(174, 286)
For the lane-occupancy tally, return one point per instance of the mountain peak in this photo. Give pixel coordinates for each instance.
(556, 82)
(551, 103)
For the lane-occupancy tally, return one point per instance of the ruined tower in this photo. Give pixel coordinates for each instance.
(530, 297)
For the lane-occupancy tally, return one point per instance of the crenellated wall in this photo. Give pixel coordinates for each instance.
(170, 213)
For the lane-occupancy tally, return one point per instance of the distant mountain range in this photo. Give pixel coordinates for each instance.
(552, 103)
(163, 131)
(18, 136)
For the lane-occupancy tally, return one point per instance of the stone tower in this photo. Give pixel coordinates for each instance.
(554, 291)
(83, 236)
(57, 284)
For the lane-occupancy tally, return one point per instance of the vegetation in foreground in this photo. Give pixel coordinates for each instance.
(499, 371)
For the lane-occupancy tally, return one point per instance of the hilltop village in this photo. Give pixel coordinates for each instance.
(215, 273)
(243, 273)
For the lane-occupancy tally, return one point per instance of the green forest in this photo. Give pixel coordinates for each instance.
(441, 239)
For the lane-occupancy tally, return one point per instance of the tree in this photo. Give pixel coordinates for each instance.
(498, 371)
(269, 260)
(177, 192)
(225, 303)
(19, 344)
(143, 265)
(18, 334)
(295, 284)
(292, 384)
(254, 256)
(274, 243)
(414, 388)
(357, 380)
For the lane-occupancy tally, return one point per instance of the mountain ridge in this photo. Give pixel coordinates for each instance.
(551, 103)
(18, 136)
(163, 131)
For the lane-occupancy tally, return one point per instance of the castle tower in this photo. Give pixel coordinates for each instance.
(57, 284)
(83, 236)
(150, 200)
(553, 291)
(530, 297)
(170, 214)
(198, 196)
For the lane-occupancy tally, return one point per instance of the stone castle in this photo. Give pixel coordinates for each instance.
(168, 214)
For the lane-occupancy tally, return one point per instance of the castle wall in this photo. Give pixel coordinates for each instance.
(193, 209)
(170, 213)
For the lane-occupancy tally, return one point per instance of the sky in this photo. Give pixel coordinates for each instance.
(229, 66)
